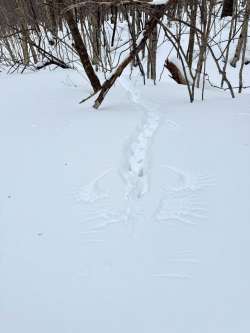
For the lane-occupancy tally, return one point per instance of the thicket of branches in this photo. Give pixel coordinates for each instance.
(105, 37)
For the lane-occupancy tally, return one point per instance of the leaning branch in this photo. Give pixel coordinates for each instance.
(139, 46)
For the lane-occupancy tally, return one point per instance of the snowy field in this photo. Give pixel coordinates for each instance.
(131, 219)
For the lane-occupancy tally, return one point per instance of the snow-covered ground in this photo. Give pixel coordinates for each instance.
(131, 219)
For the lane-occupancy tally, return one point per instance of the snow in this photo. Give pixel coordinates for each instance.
(158, 2)
(134, 218)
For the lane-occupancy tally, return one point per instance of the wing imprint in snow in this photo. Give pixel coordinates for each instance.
(181, 206)
(93, 192)
(188, 180)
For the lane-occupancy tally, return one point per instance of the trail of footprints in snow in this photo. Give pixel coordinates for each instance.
(136, 175)
(180, 204)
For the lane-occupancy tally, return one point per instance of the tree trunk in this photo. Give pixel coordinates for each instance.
(227, 9)
(152, 24)
(81, 50)
(240, 43)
